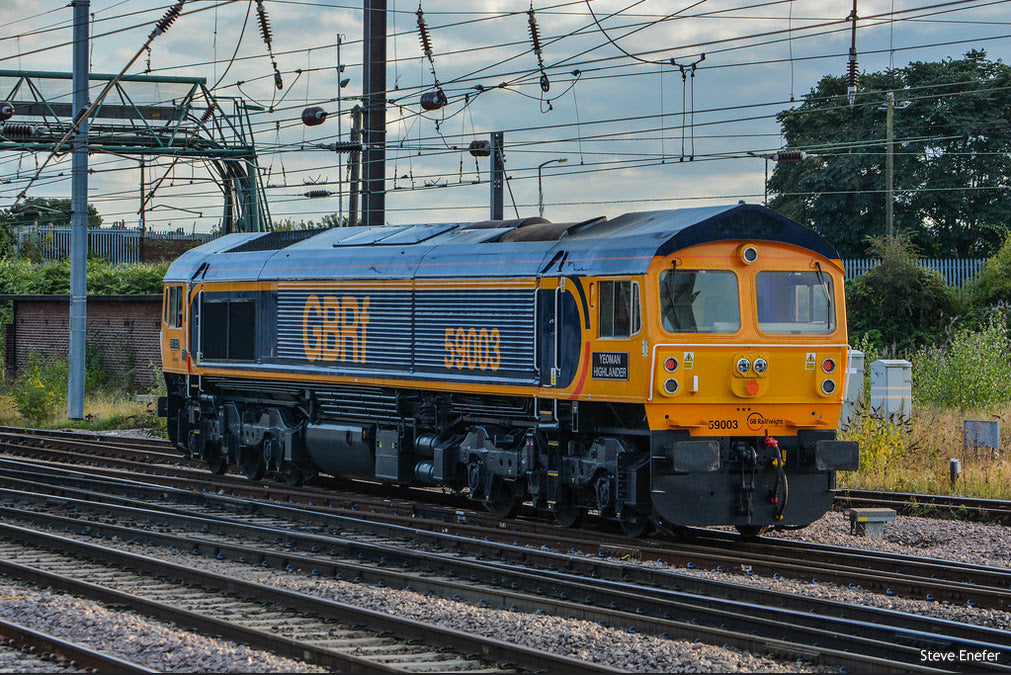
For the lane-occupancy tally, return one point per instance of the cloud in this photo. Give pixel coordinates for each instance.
(621, 124)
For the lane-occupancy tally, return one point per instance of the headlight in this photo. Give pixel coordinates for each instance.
(670, 385)
(761, 365)
(828, 387)
(743, 366)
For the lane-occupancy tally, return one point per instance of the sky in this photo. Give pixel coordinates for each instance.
(640, 118)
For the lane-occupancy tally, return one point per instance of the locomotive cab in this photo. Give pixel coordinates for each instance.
(746, 387)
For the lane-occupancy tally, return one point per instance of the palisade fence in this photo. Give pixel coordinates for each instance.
(957, 271)
(114, 244)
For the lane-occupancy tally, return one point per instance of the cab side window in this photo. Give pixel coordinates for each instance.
(618, 315)
(174, 306)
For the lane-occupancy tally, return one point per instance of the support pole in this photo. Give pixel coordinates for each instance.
(79, 217)
(355, 169)
(374, 97)
(497, 175)
(890, 166)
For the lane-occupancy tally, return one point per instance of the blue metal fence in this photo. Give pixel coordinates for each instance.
(957, 271)
(113, 244)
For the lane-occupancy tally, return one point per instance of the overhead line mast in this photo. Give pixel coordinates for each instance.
(374, 100)
(79, 217)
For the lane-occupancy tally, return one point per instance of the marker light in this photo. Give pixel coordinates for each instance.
(828, 387)
(743, 366)
(671, 364)
(670, 385)
(828, 366)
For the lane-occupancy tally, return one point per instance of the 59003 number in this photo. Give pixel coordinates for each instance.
(722, 424)
(472, 349)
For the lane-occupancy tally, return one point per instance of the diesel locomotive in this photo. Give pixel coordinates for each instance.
(673, 368)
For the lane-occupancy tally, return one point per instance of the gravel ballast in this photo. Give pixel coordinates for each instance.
(170, 649)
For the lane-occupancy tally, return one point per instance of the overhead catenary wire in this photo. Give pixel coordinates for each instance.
(529, 78)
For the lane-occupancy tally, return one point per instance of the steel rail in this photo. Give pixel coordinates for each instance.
(887, 573)
(488, 650)
(972, 508)
(641, 608)
(81, 656)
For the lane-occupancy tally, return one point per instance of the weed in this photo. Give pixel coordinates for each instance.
(41, 390)
(972, 371)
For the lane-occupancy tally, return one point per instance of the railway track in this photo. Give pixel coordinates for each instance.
(627, 596)
(323, 632)
(945, 506)
(26, 649)
(890, 574)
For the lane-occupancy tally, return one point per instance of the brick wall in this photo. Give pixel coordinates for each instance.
(123, 330)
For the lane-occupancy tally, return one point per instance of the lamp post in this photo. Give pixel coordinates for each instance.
(540, 187)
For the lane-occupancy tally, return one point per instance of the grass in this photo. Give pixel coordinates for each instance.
(104, 411)
(914, 456)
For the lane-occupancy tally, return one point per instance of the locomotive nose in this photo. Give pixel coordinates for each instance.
(749, 374)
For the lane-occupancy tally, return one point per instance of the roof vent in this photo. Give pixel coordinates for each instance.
(275, 241)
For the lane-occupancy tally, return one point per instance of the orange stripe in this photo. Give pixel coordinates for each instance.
(582, 378)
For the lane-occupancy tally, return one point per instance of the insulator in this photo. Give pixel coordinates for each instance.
(426, 41)
(433, 100)
(535, 32)
(313, 116)
(18, 130)
(170, 16)
(851, 70)
(261, 15)
(81, 113)
(347, 146)
(278, 82)
(209, 113)
(479, 149)
(6, 110)
(545, 83)
(790, 156)
(317, 194)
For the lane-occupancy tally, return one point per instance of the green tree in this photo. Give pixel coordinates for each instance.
(993, 285)
(898, 305)
(952, 157)
(328, 220)
(38, 211)
(46, 211)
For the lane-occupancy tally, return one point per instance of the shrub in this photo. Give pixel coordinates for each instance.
(993, 285)
(41, 390)
(884, 440)
(899, 304)
(972, 371)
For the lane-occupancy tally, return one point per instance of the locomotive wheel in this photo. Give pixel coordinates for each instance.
(291, 473)
(752, 531)
(251, 462)
(502, 502)
(634, 526)
(565, 511)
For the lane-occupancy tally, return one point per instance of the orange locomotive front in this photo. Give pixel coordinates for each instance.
(672, 368)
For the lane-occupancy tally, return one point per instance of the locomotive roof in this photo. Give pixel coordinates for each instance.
(522, 248)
